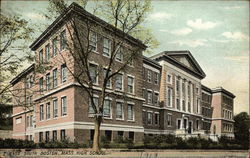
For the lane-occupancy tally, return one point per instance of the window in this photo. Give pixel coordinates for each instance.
(18, 120)
(47, 136)
(40, 136)
(179, 124)
(149, 118)
(41, 84)
(107, 108)
(130, 84)
(119, 110)
(183, 105)
(54, 45)
(106, 47)
(105, 71)
(156, 78)
(48, 81)
(169, 97)
(119, 82)
(54, 135)
(169, 119)
(91, 110)
(63, 135)
(197, 103)
(130, 112)
(93, 41)
(41, 112)
(197, 124)
(157, 118)
(189, 89)
(91, 135)
(169, 78)
(119, 54)
(31, 80)
(48, 111)
(93, 73)
(54, 78)
(31, 120)
(131, 62)
(27, 121)
(149, 76)
(183, 88)
(64, 106)
(131, 135)
(178, 104)
(55, 108)
(63, 73)
(177, 85)
(149, 97)
(47, 49)
(120, 134)
(189, 107)
(156, 99)
(108, 135)
(41, 56)
(63, 40)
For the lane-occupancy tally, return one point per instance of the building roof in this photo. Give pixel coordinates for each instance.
(222, 90)
(151, 62)
(23, 73)
(74, 8)
(205, 88)
(182, 59)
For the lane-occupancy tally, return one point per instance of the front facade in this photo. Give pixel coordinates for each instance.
(158, 95)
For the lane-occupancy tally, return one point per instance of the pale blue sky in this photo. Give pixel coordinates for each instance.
(216, 33)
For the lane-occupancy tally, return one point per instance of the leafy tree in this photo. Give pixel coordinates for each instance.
(127, 15)
(14, 32)
(242, 128)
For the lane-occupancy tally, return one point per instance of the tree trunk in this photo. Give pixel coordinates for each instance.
(96, 141)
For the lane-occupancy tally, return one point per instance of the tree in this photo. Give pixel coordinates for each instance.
(241, 128)
(14, 31)
(127, 16)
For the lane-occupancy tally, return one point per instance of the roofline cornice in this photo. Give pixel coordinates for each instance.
(24, 72)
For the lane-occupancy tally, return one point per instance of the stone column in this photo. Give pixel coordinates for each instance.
(181, 94)
(191, 97)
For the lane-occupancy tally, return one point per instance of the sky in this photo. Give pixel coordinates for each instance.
(215, 32)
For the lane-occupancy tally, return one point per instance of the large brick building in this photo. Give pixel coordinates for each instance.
(158, 95)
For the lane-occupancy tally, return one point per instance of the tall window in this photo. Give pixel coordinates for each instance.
(183, 88)
(119, 110)
(31, 120)
(63, 40)
(157, 118)
(178, 104)
(156, 99)
(198, 106)
(105, 71)
(169, 120)
(54, 135)
(179, 124)
(47, 49)
(189, 89)
(130, 84)
(169, 78)
(54, 45)
(149, 76)
(183, 105)
(107, 108)
(47, 136)
(93, 41)
(106, 47)
(55, 108)
(63, 134)
(40, 136)
(119, 54)
(169, 97)
(189, 107)
(48, 81)
(156, 78)
(93, 73)
(130, 112)
(177, 85)
(119, 82)
(197, 124)
(91, 110)
(64, 106)
(63, 73)
(41, 56)
(28, 121)
(150, 118)
(41, 84)
(41, 112)
(48, 111)
(54, 78)
(150, 97)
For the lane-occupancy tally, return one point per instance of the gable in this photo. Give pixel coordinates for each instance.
(185, 60)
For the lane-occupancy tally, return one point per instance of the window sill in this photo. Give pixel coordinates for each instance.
(131, 120)
(107, 118)
(118, 119)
